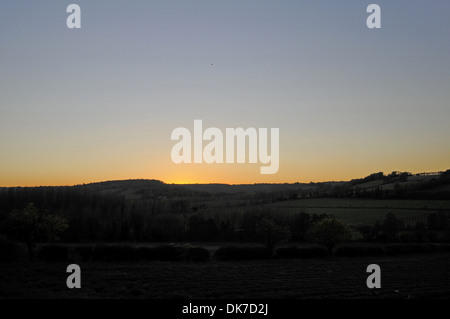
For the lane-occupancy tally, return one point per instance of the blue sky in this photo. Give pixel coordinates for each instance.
(100, 102)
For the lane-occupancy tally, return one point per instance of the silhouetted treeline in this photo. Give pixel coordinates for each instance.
(147, 210)
(391, 186)
(95, 215)
(436, 228)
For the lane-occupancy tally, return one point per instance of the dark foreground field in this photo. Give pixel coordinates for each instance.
(406, 276)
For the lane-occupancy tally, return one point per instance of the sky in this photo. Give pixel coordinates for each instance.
(100, 102)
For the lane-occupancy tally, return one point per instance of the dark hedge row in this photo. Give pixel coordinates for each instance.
(9, 251)
(300, 252)
(242, 253)
(389, 250)
(116, 253)
(359, 251)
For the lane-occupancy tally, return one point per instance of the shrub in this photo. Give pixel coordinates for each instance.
(288, 252)
(314, 252)
(114, 253)
(197, 254)
(242, 253)
(54, 253)
(168, 253)
(173, 253)
(8, 249)
(359, 251)
(398, 249)
(411, 237)
(162, 252)
(297, 252)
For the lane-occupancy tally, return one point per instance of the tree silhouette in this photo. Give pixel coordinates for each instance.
(390, 227)
(329, 231)
(271, 232)
(31, 225)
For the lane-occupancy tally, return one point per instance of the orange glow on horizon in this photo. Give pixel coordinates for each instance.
(189, 179)
(296, 168)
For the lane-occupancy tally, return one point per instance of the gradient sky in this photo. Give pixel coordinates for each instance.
(99, 103)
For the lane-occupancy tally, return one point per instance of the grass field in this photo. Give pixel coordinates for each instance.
(364, 211)
(409, 276)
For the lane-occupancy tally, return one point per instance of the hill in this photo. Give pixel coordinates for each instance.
(151, 210)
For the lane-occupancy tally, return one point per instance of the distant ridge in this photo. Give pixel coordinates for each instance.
(209, 188)
(137, 188)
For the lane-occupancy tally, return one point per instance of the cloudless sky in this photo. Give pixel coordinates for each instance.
(100, 103)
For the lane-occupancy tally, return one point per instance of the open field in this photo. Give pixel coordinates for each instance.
(364, 211)
(408, 276)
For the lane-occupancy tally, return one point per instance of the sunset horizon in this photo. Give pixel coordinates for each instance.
(244, 182)
(117, 95)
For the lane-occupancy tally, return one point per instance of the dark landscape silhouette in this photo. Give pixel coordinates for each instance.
(196, 230)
